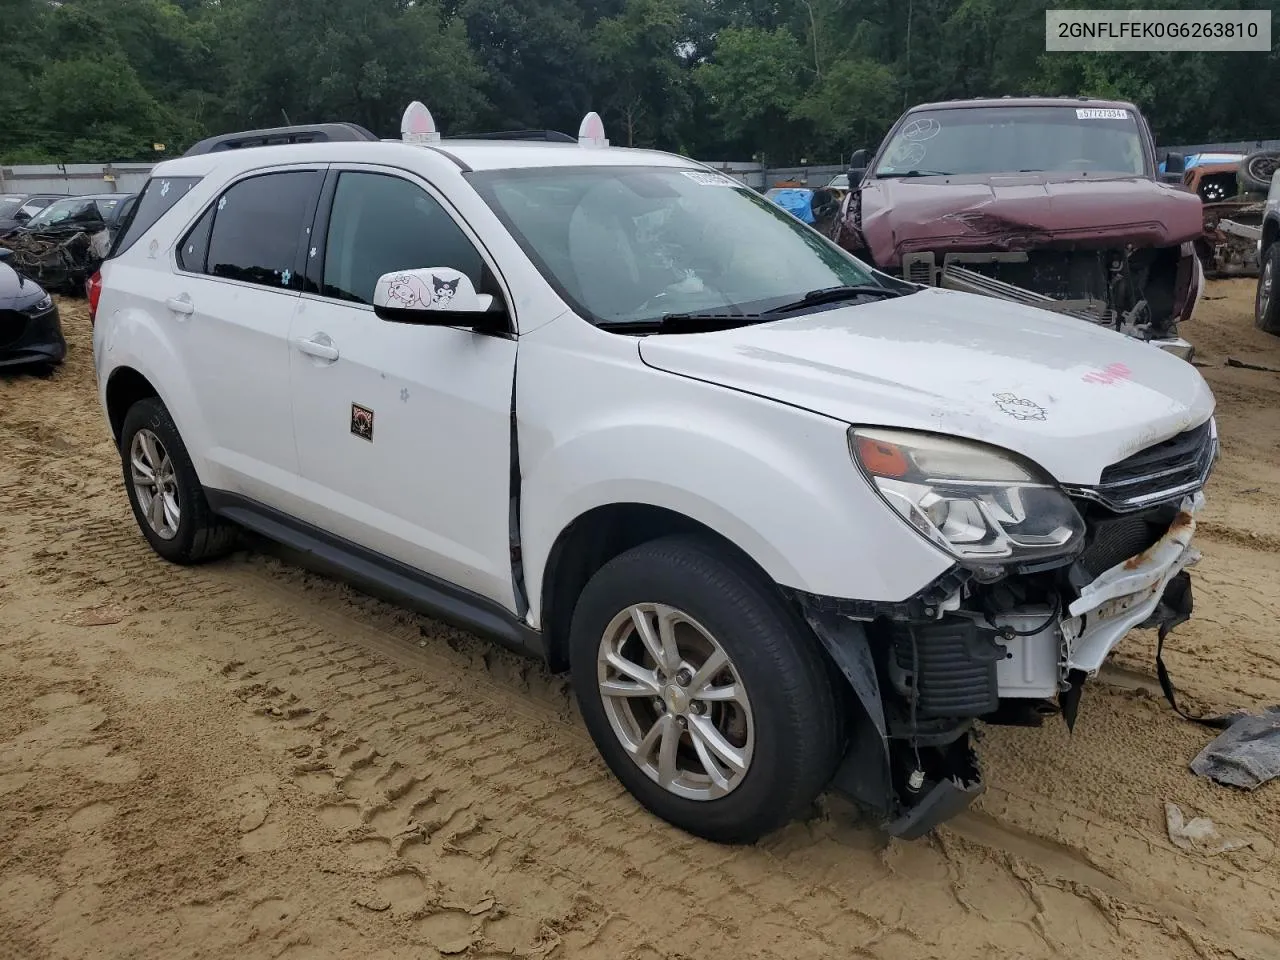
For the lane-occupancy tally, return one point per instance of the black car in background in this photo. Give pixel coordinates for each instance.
(18, 208)
(30, 330)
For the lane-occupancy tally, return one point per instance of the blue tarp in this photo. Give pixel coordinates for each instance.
(795, 201)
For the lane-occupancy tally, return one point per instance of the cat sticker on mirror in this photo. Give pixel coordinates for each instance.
(443, 291)
(408, 290)
(362, 422)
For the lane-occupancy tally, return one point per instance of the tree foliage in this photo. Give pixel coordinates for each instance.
(94, 80)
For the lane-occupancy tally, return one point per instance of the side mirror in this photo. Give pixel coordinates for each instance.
(436, 297)
(857, 168)
(1175, 163)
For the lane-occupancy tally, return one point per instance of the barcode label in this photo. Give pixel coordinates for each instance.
(1101, 113)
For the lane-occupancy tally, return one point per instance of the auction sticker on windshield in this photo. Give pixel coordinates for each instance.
(1101, 113)
(711, 179)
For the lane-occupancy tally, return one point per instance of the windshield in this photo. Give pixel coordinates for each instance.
(977, 140)
(633, 244)
(8, 205)
(73, 208)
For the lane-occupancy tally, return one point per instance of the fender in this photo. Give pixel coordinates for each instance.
(776, 481)
(128, 338)
(864, 774)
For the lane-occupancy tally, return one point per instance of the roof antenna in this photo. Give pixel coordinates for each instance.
(591, 133)
(417, 124)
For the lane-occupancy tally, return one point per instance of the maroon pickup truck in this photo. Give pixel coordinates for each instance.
(1052, 202)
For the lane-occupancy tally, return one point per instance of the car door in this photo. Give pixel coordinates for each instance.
(404, 431)
(229, 306)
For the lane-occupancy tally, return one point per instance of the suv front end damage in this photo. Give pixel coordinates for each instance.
(1009, 644)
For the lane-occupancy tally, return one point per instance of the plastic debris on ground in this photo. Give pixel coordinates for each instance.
(1199, 834)
(1246, 754)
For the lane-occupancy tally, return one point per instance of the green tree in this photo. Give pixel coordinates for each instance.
(753, 84)
(643, 84)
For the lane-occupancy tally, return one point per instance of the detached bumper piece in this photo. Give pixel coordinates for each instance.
(944, 801)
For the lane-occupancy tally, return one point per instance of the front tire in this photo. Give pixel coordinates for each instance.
(704, 693)
(165, 493)
(1266, 309)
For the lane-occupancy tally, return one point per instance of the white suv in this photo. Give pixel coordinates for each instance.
(790, 523)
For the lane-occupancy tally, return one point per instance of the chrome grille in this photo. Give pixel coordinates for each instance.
(1159, 474)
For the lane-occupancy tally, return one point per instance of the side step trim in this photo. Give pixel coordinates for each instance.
(380, 575)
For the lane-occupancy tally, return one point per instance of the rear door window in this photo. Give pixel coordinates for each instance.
(259, 225)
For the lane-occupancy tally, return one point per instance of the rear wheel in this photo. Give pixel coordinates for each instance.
(1266, 311)
(705, 694)
(164, 491)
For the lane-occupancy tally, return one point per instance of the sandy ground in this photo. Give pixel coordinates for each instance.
(246, 760)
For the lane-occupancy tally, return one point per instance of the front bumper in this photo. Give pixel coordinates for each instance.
(1128, 595)
(1125, 597)
(28, 340)
(923, 671)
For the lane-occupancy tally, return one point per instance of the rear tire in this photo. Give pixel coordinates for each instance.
(1266, 309)
(165, 493)
(771, 709)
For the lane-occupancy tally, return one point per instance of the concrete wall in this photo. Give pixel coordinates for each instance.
(84, 178)
(1236, 146)
(76, 179)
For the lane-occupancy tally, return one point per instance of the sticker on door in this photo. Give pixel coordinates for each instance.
(362, 422)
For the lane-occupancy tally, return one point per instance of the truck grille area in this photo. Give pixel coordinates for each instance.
(1161, 473)
(950, 668)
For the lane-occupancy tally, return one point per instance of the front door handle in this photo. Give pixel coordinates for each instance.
(318, 346)
(182, 305)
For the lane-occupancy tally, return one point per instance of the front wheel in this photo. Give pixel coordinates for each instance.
(706, 696)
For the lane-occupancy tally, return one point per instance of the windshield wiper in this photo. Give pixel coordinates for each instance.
(915, 173)
(816, 298)
(696, 322)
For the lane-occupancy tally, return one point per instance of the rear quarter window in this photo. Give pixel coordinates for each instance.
(157, 198)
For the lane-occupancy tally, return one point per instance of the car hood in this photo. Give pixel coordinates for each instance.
(1068, 395)
(16, 291)
(1022, 212)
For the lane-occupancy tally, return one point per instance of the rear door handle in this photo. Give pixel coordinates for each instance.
(319, 346)
(182, 305)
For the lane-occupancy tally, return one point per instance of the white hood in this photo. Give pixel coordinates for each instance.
(1068, 395)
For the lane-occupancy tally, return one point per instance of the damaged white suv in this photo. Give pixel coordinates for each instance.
(790, 523)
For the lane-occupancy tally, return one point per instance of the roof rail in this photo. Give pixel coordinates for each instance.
(274, 136)
(549, 136)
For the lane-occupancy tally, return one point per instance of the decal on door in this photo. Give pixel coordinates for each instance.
(362, 422)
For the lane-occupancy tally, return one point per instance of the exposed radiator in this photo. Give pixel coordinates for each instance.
(971, 281)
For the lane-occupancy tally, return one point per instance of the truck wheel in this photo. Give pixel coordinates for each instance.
(1266, 309)
(707, 697)
(1256, 170)
(164, 491)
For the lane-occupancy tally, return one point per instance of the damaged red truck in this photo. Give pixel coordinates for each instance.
(1051, 202)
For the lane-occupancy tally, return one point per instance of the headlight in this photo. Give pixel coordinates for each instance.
(43, 305)
(979, 503)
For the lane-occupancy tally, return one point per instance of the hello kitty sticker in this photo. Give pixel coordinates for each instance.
(433, 288)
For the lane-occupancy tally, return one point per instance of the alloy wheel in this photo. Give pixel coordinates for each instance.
(675, 701)
(155, 483)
